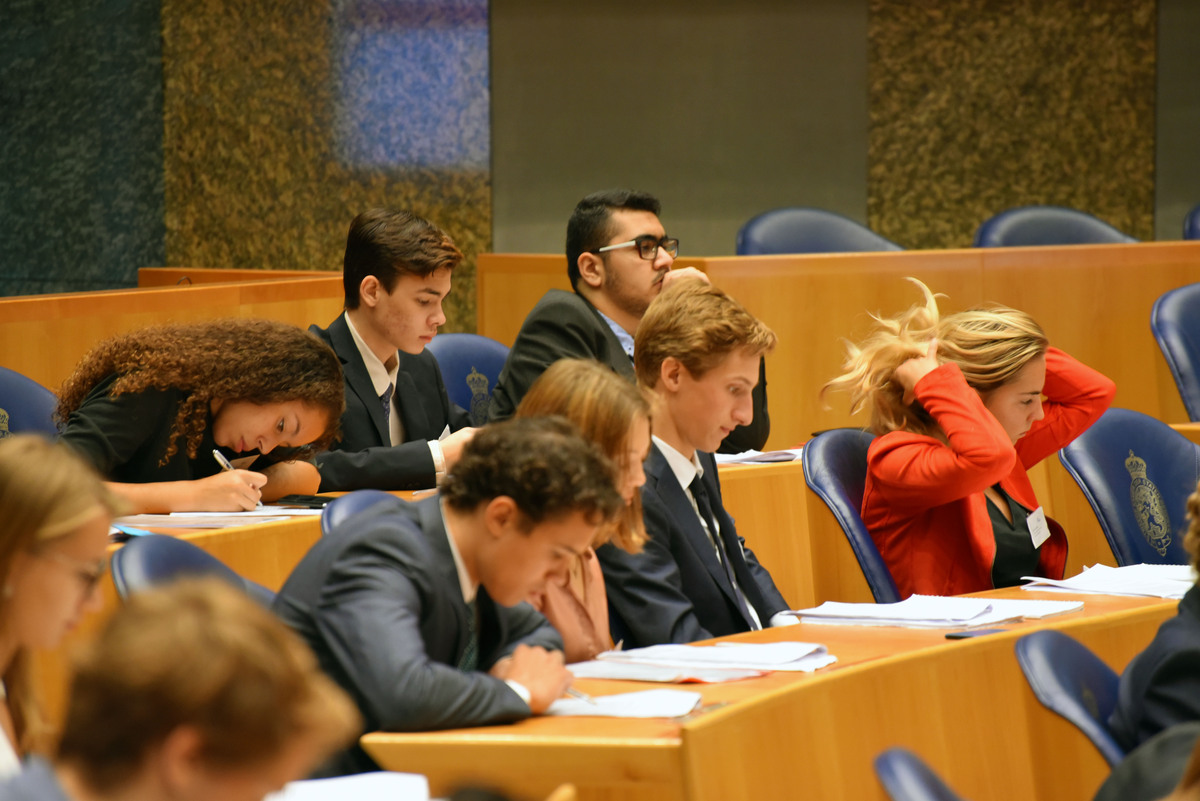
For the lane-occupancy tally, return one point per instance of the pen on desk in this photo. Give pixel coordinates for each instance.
(571, 691)
(226, 465)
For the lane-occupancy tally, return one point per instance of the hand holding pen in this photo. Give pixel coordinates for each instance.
(230, 490)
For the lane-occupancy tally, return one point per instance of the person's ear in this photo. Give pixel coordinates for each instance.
(670, 374)
(591, 270)
(179, 761)
(369, 290)
(501, 515)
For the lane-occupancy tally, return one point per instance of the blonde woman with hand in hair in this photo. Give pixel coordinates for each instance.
(53, 546)
(962, 406)
(613, 413)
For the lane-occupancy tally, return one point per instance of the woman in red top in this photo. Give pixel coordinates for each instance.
(957, 406)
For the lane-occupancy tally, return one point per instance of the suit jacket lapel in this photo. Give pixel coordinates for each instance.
(430, 514)
(618, 359)
(729, 538)
(407, 403)
(357, 378)
(679, 504)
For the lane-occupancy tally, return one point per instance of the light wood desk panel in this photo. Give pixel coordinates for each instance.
(964, 706)
(45, 336)
(1093, 300)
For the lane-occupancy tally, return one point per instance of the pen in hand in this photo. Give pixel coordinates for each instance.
(227, 466)
(571, 691)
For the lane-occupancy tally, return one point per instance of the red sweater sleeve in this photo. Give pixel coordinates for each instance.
(914, 471)
(1076, 396)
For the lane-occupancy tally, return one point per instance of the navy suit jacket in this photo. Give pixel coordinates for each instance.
(379, 602)
(1161, 686)
(563, 325)
(675, 590)
(360, 460)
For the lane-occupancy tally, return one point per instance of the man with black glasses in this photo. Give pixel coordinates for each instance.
(618, 259)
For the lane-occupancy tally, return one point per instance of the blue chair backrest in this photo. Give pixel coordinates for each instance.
(1191, 224)
(470, 366)
(1071, 681)
(1137, 473)
(153, 559)
(1046, 225)
(805, 230)
(25, 405)
(346, 506)
(835, 466)
(1175, 323)
(906, 778)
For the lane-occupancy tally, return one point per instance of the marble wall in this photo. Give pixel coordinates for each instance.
(81, 184)
(980, 105)
(284, 120)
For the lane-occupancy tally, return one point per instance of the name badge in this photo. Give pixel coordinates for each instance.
(1039, 529)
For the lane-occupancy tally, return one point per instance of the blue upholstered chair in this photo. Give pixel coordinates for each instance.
(25, 405)
(805, 230)
(835, 466)
(906, 778)
(1046, 225)
(1175, 322)
(1136, 473)
(470, 365)
(346, 506)
(1191, 224)
(1071, 681)
(146, 561)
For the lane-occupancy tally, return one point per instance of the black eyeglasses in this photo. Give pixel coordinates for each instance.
(647, 246)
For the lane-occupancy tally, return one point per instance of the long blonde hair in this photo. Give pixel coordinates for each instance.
(989, 344)
(46, 492)
(604, 406)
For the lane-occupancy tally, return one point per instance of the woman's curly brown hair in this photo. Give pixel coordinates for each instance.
(258, 361)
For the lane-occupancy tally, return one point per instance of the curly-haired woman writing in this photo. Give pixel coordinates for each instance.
(957, 404)
(149, 408)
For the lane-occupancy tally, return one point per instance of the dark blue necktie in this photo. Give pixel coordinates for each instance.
(468, 661)
(386, 400)
(702, 503)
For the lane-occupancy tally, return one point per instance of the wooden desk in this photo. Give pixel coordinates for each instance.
(1094, 301)
(964, 706)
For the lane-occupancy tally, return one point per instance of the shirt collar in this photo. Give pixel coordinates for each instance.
(380, 376)
(468, 587)
(685, 469)
(623, 336)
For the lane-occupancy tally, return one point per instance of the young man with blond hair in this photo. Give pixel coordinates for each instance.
(698, 351)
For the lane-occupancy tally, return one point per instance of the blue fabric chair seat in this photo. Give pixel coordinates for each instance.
(146, 561)
(25, 405)
(470, 366)
(1175, 323)
(807, 230)
(342, 508)
(1046, 225)
(906, 778)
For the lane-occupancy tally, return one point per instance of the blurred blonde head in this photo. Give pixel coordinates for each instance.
(989, 344)
(198, 656)
(47, 493)
(604, 407)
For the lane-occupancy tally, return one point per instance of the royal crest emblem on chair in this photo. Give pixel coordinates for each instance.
(480, 397)
(4, 432)
(1148, 506)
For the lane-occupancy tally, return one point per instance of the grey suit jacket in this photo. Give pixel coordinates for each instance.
(563, 325)
(675, 590)
(379, 602)
(360, 460)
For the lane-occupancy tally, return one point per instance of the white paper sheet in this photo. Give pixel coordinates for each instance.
(377, 786)
(929, 611)
(643, 704)
(759, 457)
(1155, 581)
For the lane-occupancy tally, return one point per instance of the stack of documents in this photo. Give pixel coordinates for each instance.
(263, 514)
(378, 786)
(759, 457)
(935, 612)
(1156, 581)
(704, 663)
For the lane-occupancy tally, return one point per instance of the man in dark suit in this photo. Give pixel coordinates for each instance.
(618, 259)
(418, 610)
(698, 350)
(400, 430)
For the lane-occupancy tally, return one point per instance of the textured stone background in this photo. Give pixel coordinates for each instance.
(980, 105)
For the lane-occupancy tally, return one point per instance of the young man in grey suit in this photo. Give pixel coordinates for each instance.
(400, 429)
(418, 609)
(618, 259)
(698, 351)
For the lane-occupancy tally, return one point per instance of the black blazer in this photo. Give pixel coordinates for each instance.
(360, 460)
(675, 590)
(379, 602)
(563, 325)
(1161, 686)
